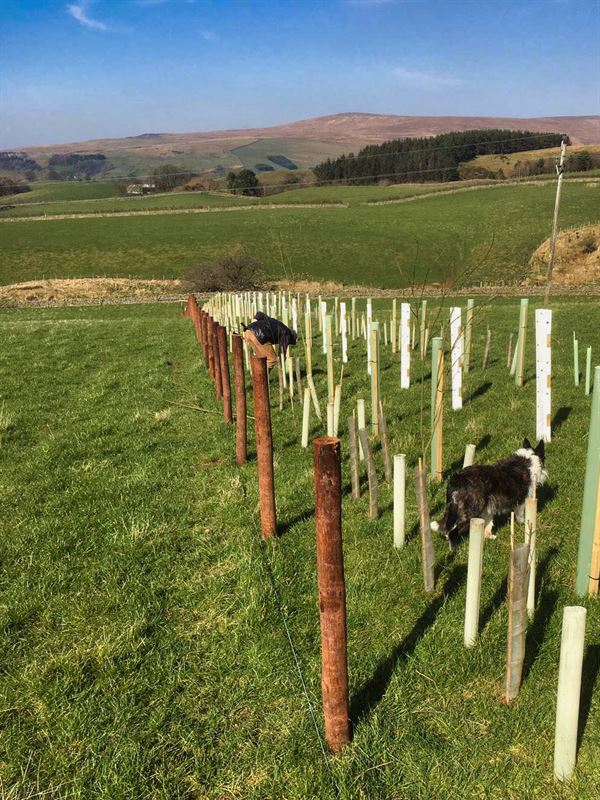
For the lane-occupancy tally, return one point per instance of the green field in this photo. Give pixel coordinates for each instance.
(481, 235)
(60, 191)
(325, 195)
(143, 647)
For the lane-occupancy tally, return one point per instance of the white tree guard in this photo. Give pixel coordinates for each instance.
(543, 373)
(404, 345)
(323, 325)
(456, 355)
(294, 314)
(344, 331)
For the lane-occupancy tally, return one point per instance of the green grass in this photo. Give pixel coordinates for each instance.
(60, 191)
(489, 234)
(143, 651)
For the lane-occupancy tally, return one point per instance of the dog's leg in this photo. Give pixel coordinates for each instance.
(520, 513)
(489, 527)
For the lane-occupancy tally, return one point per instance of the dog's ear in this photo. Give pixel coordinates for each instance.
(540, 449)
(527, 444)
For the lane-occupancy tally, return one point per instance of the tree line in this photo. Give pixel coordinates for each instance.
(425, 159)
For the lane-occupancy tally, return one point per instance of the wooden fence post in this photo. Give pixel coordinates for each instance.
(332, 591)
(225, 377)
(264, 446)
(239, 379)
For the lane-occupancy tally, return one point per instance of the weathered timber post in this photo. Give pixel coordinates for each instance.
(210, 347)
(241, 437)
(217, 360)
(332, 591)
(225, 377)
(264, 447)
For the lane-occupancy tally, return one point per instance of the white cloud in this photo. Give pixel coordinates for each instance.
(80, 13)
(425, 79)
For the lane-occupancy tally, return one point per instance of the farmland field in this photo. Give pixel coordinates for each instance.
(484, 234)
(143, 647)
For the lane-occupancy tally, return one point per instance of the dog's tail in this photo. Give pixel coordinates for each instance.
(437, 526)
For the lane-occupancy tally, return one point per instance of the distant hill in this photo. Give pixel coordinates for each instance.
(305, 142)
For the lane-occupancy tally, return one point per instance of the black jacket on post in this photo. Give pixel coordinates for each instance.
(268, 329)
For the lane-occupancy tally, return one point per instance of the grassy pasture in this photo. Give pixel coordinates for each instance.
(508, 161)
(61, 191)
(489, 233)
(143, 650)
(350, 195)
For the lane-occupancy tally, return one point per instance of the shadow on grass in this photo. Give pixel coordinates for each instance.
(369, 695)
(284, 527)
(589, 676)
(561, 416)
(545, 494)
(479, 392)
(536, 630)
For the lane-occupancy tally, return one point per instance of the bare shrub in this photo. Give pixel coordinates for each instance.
(233, 270)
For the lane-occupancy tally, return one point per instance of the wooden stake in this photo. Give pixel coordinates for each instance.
(264, 447)
(371, 474)
(332, 592)
(427, 552)
(313, 394)
(225, 377)
(239, 379)
(509, 355)
(337, 400)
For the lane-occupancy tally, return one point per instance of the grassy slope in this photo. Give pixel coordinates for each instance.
(143, 654)
(303, 152)
(489, 232)
(508, 161)
(352, 195)
(60, 191)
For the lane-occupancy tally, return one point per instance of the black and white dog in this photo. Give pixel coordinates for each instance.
(484, 491)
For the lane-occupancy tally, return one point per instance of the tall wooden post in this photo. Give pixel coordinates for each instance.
(241, 437)
(210, 347)
(332, 591)
(264, 447)
(217, 360)
(225, 377)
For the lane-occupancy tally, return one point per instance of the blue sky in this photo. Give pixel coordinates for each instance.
(98, 68)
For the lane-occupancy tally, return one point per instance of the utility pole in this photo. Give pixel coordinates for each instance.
(560, 168)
